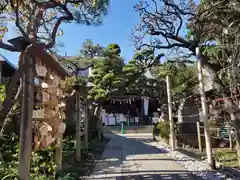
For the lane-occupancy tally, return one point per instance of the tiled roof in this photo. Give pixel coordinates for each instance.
(3, 58)
(81, 64)
(59, 59)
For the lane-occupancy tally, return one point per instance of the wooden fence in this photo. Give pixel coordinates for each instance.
(192, 134)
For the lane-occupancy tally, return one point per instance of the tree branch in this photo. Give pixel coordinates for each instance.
(8, 47)
(15, 7)
(8, 118)
(68, 17)
(158, 21)
(2, 7)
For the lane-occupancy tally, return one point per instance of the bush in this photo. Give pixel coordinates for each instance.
(155, 129)
(42, 164)
(227, 157)
(161, 129)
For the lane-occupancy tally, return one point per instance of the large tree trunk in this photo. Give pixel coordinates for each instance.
(97, 112)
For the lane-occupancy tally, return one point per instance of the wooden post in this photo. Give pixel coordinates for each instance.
(58, 155)
(26, 117)
(172, 137)
(78, 128)
(86, 125)
(204, 109)
(199, 137)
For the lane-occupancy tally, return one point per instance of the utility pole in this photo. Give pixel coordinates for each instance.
(232, 76)
(233, 115)
(204, 109)
(172, 137)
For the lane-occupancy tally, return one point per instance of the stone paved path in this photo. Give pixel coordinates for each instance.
(136, 158)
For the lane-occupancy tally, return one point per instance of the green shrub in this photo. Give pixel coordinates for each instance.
(42, 164)
(227, 157)
(162, 129)
(155, 129)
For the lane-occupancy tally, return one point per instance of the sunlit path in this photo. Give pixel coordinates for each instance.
(135, 157)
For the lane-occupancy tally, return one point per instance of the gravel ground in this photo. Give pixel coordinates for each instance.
(199, 168)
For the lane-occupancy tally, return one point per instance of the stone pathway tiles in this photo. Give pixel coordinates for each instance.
(136, 158)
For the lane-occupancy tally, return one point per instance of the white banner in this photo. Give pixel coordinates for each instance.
(122, 118)
(145, 105)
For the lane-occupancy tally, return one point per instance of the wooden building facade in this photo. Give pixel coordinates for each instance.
(7, 69)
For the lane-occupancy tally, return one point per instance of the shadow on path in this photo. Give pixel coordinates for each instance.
(137, 158)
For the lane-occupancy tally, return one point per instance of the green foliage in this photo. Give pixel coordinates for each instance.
(9, 153)
(111, 76)
(42, 164)
(2, 93)
(107, 73)
(90, 50)
(76, 62)
(134, 75)
(73, 81)
(162, 129)
(183, 77)
(114, 49)
(185, 80)
(75, 169)
(189, 34)
(227, 157)
(24, 16)
(146, 58)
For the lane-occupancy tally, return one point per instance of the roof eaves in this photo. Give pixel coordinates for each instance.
(7, 61)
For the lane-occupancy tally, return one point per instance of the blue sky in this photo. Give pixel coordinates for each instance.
(115, 29)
